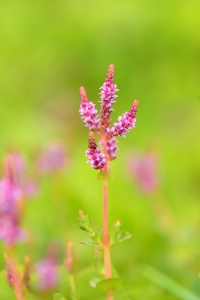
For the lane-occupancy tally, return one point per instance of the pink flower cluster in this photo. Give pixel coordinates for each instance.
(96, 158)
(144, 169)
(14, 187)
(10, 196)
(102, 124)
(47, 270)
(52, 159)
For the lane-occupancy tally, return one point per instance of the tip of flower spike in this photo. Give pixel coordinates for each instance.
(80, 213)
(10, 168)
(9, 269)
(83, 94)
(110, 73)
(26, 272)
(134, 107)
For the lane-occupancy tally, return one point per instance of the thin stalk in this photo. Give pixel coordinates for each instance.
(72, 286)
(107, 262)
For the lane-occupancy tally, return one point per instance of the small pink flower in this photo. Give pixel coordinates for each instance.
(143, 168)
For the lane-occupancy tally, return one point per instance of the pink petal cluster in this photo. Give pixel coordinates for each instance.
(143, 168)
(111, 148)
(96, 159)
(88, 111)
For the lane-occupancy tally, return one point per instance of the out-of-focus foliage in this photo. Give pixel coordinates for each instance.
(51, 48)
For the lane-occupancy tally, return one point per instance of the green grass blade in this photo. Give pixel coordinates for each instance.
(168, 284)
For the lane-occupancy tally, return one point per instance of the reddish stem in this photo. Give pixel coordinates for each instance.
(107, 262)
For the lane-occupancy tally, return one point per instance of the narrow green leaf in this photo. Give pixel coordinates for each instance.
(108, 286)
(103, 176)
(169, 284)
(120, 237)
(91, 243)
(58, 297)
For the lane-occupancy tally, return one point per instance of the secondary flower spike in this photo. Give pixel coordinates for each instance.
(88, 111)
(103, 128)
(126, 122)
(96, 159)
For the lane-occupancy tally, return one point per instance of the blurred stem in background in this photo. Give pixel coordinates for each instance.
(69, 264)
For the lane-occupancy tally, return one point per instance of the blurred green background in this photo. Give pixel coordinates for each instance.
(48, 49)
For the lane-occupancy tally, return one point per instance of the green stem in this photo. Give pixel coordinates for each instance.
(72, 287)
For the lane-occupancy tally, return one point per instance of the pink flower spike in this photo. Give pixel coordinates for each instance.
(10, 271)
(53, 158)
(107, 97)
(47, 271)
(88, 111)
(10, 196)
(10, 232)
(11, 169)
(97, 160)
(144, 169)
(111, 148)
(16, 171)
(126, 122)
(19, 164)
